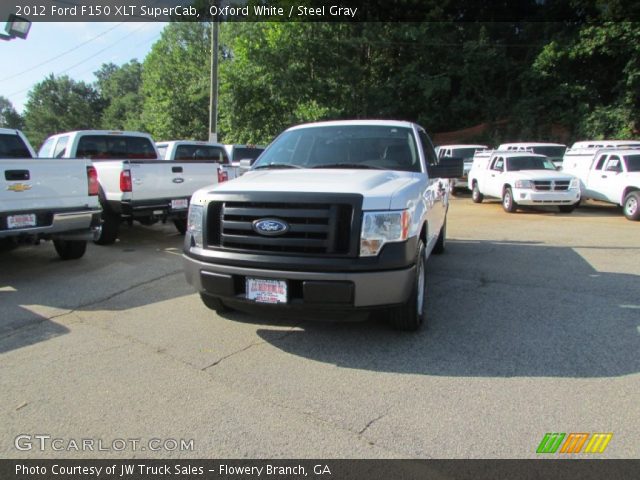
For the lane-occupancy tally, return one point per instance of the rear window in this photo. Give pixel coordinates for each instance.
(550, 151)
(246, 153)
(98, 147)
(202, 152)
(12, 146)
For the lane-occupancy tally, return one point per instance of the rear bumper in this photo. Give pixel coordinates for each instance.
(531, 197)
(72, 225)
(151, 208)
(307, 289)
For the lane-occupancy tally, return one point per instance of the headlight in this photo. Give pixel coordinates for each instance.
(575, 183)
(194, 225)
(524, 184)
(379, 228)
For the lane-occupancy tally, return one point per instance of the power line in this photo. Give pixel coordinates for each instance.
(30, 69)
(85, 59)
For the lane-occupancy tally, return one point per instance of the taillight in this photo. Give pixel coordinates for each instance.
(92, 177)
(223, 175)
(125, 181)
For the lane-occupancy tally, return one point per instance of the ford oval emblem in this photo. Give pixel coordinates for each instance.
(270, 227)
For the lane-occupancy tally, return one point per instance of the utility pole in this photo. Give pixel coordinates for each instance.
(213, 92)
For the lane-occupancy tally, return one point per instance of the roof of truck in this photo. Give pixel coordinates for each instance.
(463, 145)
(603, 143)
(530, 144)
(338, 123)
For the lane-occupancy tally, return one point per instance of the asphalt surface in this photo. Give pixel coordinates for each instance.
(534, 327)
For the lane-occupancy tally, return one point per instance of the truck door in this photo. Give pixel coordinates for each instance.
(598, 179)
(435, 194)
(607, 182)
(494, 177)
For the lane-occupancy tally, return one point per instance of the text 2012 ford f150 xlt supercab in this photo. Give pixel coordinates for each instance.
(334, 215)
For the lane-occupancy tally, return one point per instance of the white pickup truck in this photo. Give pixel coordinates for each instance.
(213, 153)
(609, 175)
(333, 216)
(521, 178)
(45, 198)
(135, 184)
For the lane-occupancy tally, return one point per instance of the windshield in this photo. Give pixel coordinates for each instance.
(464, 153)
(529, 163)
(201, 152)
(632, 162)
(12, 146)
(344, 146)
(98, 147)
(554, 152)
(246, 153)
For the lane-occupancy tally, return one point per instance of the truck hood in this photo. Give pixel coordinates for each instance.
(541, 175)
(378, 187)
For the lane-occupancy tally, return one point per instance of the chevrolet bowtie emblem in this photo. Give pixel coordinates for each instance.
(19, 187)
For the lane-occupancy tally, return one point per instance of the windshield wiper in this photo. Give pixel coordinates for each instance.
(348, 165)
(276, 165)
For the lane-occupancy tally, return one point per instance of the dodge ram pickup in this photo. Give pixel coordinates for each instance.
(521, 178)
(333, 216)
(609, 175)
(135, 184)
(46, 199)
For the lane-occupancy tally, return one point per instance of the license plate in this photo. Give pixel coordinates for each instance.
(179, 204)
(21, 221)
(266, 291)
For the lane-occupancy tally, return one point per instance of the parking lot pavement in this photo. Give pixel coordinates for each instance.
(534, 327)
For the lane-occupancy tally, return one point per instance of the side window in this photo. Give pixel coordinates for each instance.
(61, 147)
(427, 148)
(601, 162)
(497, 164)
(613, 165)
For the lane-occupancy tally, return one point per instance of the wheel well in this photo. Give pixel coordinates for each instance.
(423, 233)
(627, 191)
(506, 185)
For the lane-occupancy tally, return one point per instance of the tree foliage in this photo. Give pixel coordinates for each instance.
(9, 117)
(120, 89)
(59, 104)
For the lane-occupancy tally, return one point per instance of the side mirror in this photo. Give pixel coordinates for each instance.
(448, 167)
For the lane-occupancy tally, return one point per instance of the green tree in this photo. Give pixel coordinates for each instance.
(175, 83)
(60, 104)
(120, 88)
(9, 117)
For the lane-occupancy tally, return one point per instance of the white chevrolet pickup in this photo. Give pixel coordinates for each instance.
(333, 216)
(45, 198)
(135, 183)
(609, 175)
(521, 178)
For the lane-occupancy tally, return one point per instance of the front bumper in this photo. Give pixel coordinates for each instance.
(307, 289)
(71, 225)
(532, 197)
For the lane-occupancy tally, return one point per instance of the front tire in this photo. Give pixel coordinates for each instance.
(508, 203)
(214, 303)
(476, 196)
(181, 225)
(411, 315)
(70, 249)
(631, 206)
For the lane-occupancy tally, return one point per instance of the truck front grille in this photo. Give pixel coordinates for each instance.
(314, 228)
(551, 185)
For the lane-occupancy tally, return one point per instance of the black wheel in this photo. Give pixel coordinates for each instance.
(508, 203)
(108, 232)
(631, 206)
(214, 303)
(441, 243)
(476, 196)
(70, 249)
(567, 208)
(411, 315)
(181, 225)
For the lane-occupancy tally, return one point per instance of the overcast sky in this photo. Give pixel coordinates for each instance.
(75, 49)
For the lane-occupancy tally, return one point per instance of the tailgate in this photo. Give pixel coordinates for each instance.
(155, 180)
(43, 183)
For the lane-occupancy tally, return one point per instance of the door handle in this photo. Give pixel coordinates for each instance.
(14, 175)
(176, 169)
(604, 176)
